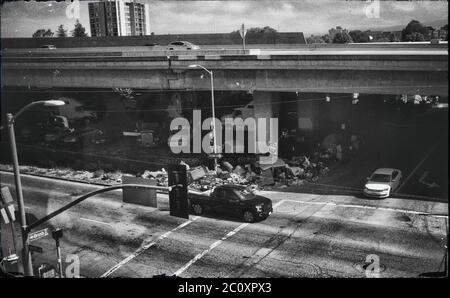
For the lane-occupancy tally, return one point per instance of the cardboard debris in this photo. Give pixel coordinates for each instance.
(296, 171)
(227, 166)
(155, 174)
(98, 173)
(239, 170)
(276, 164)
(197, 173)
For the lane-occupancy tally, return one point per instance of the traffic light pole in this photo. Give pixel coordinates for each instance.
(57, 234)
(80, 199)
(178, 194)
(214, 121)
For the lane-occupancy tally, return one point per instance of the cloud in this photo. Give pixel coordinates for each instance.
(405, 6)
(308, 16)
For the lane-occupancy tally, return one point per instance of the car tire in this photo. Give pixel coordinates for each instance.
(248, 216)
(198, 209)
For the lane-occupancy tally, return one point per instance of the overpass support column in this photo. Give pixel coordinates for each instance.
(266, 106)
(308, 112)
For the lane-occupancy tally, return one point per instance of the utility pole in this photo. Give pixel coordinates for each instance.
(10, 118)
(57, 234)
(26, 255)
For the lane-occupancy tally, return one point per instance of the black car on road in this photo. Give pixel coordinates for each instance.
(232, 200)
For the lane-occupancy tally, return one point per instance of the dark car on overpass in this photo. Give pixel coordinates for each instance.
(48, 46)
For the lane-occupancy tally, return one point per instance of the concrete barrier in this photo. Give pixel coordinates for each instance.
(139, 196)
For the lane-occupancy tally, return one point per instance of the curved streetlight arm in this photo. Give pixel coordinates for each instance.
(201, 66)
(10, 118)
(16, 115)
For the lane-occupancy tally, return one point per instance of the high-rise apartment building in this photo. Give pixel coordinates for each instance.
(119, 18)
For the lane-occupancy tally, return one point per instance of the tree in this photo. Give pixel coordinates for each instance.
(415, 36)
(383, 39)
(393, 37)
(327, 38)
(265, 29)
(43, 33)
(61, 32)
(79, 30)
(445, 32)
(48, 33)
(412, 27)
(39, 33)
(359, 36)
(342, 37)
(314, 39)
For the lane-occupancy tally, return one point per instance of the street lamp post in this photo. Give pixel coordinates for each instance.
(213, 111)
(10, 118)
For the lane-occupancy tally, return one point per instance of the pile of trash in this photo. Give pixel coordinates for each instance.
(203, 179)
(281, 174)
(160, 176)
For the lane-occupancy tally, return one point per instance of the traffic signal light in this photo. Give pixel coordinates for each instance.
(178, 194)
(57, 234)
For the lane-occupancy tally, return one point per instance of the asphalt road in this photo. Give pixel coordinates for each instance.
(417, 147)
(308, 235)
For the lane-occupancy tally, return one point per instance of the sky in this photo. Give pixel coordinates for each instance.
(22, 19)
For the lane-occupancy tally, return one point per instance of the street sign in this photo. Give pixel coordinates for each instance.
(38, 234)
(4, 213)
(215, 155)
(35, 248)
(6, 195)
(6, 202)
(11, 263)
(46, 271)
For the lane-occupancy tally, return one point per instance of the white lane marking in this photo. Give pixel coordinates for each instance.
(418, 165)
(369, 207)
(96, 221)
(215, 244)
(143, 248)
(337, 187)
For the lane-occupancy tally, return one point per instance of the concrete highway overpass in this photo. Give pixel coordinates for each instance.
(266, 73)
(411, 69)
